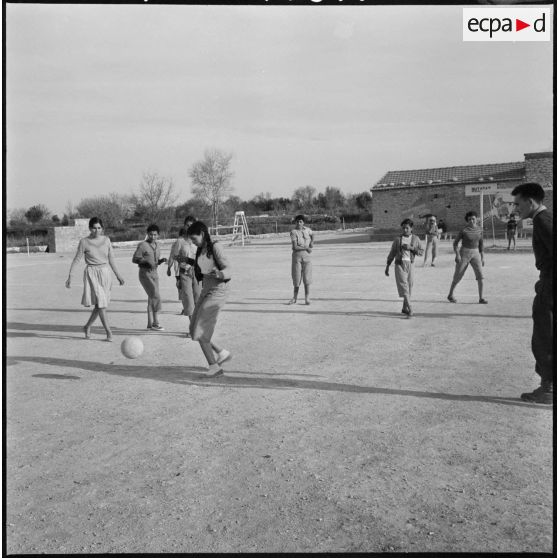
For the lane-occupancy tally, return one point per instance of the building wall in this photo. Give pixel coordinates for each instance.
(448, 202)
(539, 168)
(66, 239)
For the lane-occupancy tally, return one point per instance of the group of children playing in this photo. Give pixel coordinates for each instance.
(199, 260)
(202, 273)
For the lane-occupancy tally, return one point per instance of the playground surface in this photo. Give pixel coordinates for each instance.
(339, 426)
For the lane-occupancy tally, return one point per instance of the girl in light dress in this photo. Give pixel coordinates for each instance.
(97, 279)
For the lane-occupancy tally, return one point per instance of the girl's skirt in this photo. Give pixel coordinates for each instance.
(149, 280)
(204, 319)
(97, 282)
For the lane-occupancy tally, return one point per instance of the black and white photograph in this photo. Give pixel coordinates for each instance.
(279, 277)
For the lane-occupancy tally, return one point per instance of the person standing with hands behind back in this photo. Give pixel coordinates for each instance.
(148, 258)
(431, 239)
(528, 199)
(302, 240)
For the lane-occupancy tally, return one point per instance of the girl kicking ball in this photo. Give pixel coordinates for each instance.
(403, 250)
(214, 271)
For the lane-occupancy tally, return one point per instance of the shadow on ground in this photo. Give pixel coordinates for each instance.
(188, 375)
(22, 329)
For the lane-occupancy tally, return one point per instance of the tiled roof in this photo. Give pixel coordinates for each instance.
(451, 175)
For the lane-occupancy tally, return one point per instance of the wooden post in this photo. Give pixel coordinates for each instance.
(27, 241)
(481, 213)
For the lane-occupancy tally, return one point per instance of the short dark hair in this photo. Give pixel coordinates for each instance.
(531, 190)
(189, 219)
(407, 222)
(153, 227)
(95, 221)
(299, 217)
(470, 214)
(182, 232)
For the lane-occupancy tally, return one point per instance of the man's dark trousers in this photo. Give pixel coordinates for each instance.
(543, 328)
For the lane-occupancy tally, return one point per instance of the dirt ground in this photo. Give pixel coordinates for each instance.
(340, 426)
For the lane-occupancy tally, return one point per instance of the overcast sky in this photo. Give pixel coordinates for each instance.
(319, 95)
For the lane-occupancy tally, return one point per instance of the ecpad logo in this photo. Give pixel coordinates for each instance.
(507, 24)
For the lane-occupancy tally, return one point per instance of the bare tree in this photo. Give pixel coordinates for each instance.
(112, 209)
(156, 199)
(16, 217)
(304, 198)
(71, 210)
(331, 200)
(211, 180)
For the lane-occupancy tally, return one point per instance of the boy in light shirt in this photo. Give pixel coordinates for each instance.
(403, 251)
(302, 241)
(183, 256)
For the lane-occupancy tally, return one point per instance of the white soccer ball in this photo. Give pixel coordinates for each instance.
(132, 347)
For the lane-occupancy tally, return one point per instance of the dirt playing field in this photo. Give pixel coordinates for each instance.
(339, 426)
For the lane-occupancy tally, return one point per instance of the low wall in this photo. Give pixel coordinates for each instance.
(65, 239)
(23, 249)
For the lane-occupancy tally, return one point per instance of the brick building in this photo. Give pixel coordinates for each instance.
(442, 192)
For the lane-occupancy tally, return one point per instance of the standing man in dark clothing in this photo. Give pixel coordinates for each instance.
(442, 227)
(528, 200)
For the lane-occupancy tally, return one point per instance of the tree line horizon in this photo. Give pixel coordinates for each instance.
(212, 201)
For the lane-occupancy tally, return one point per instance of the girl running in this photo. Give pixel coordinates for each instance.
(97, 279)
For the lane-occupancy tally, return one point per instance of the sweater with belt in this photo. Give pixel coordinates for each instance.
(396, 252)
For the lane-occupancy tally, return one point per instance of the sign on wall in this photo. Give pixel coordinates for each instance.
(477, 189)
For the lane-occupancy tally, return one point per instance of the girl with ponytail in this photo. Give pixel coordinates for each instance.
(212, 268)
